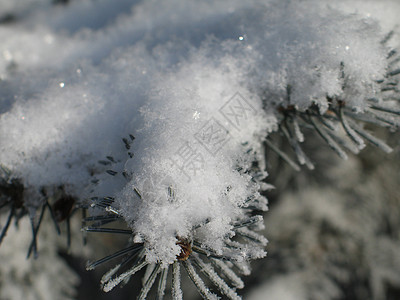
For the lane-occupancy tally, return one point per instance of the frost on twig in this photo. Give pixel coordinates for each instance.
(213, 259)
(341, 123)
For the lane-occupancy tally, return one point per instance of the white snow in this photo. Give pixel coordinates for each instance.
(188, 80)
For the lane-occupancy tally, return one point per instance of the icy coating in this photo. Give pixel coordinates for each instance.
(196, 84)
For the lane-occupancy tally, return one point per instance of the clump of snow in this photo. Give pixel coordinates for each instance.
(307, 48)
(187, 137)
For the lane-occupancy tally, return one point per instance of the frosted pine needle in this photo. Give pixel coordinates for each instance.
(195, 259)
(341, 125)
